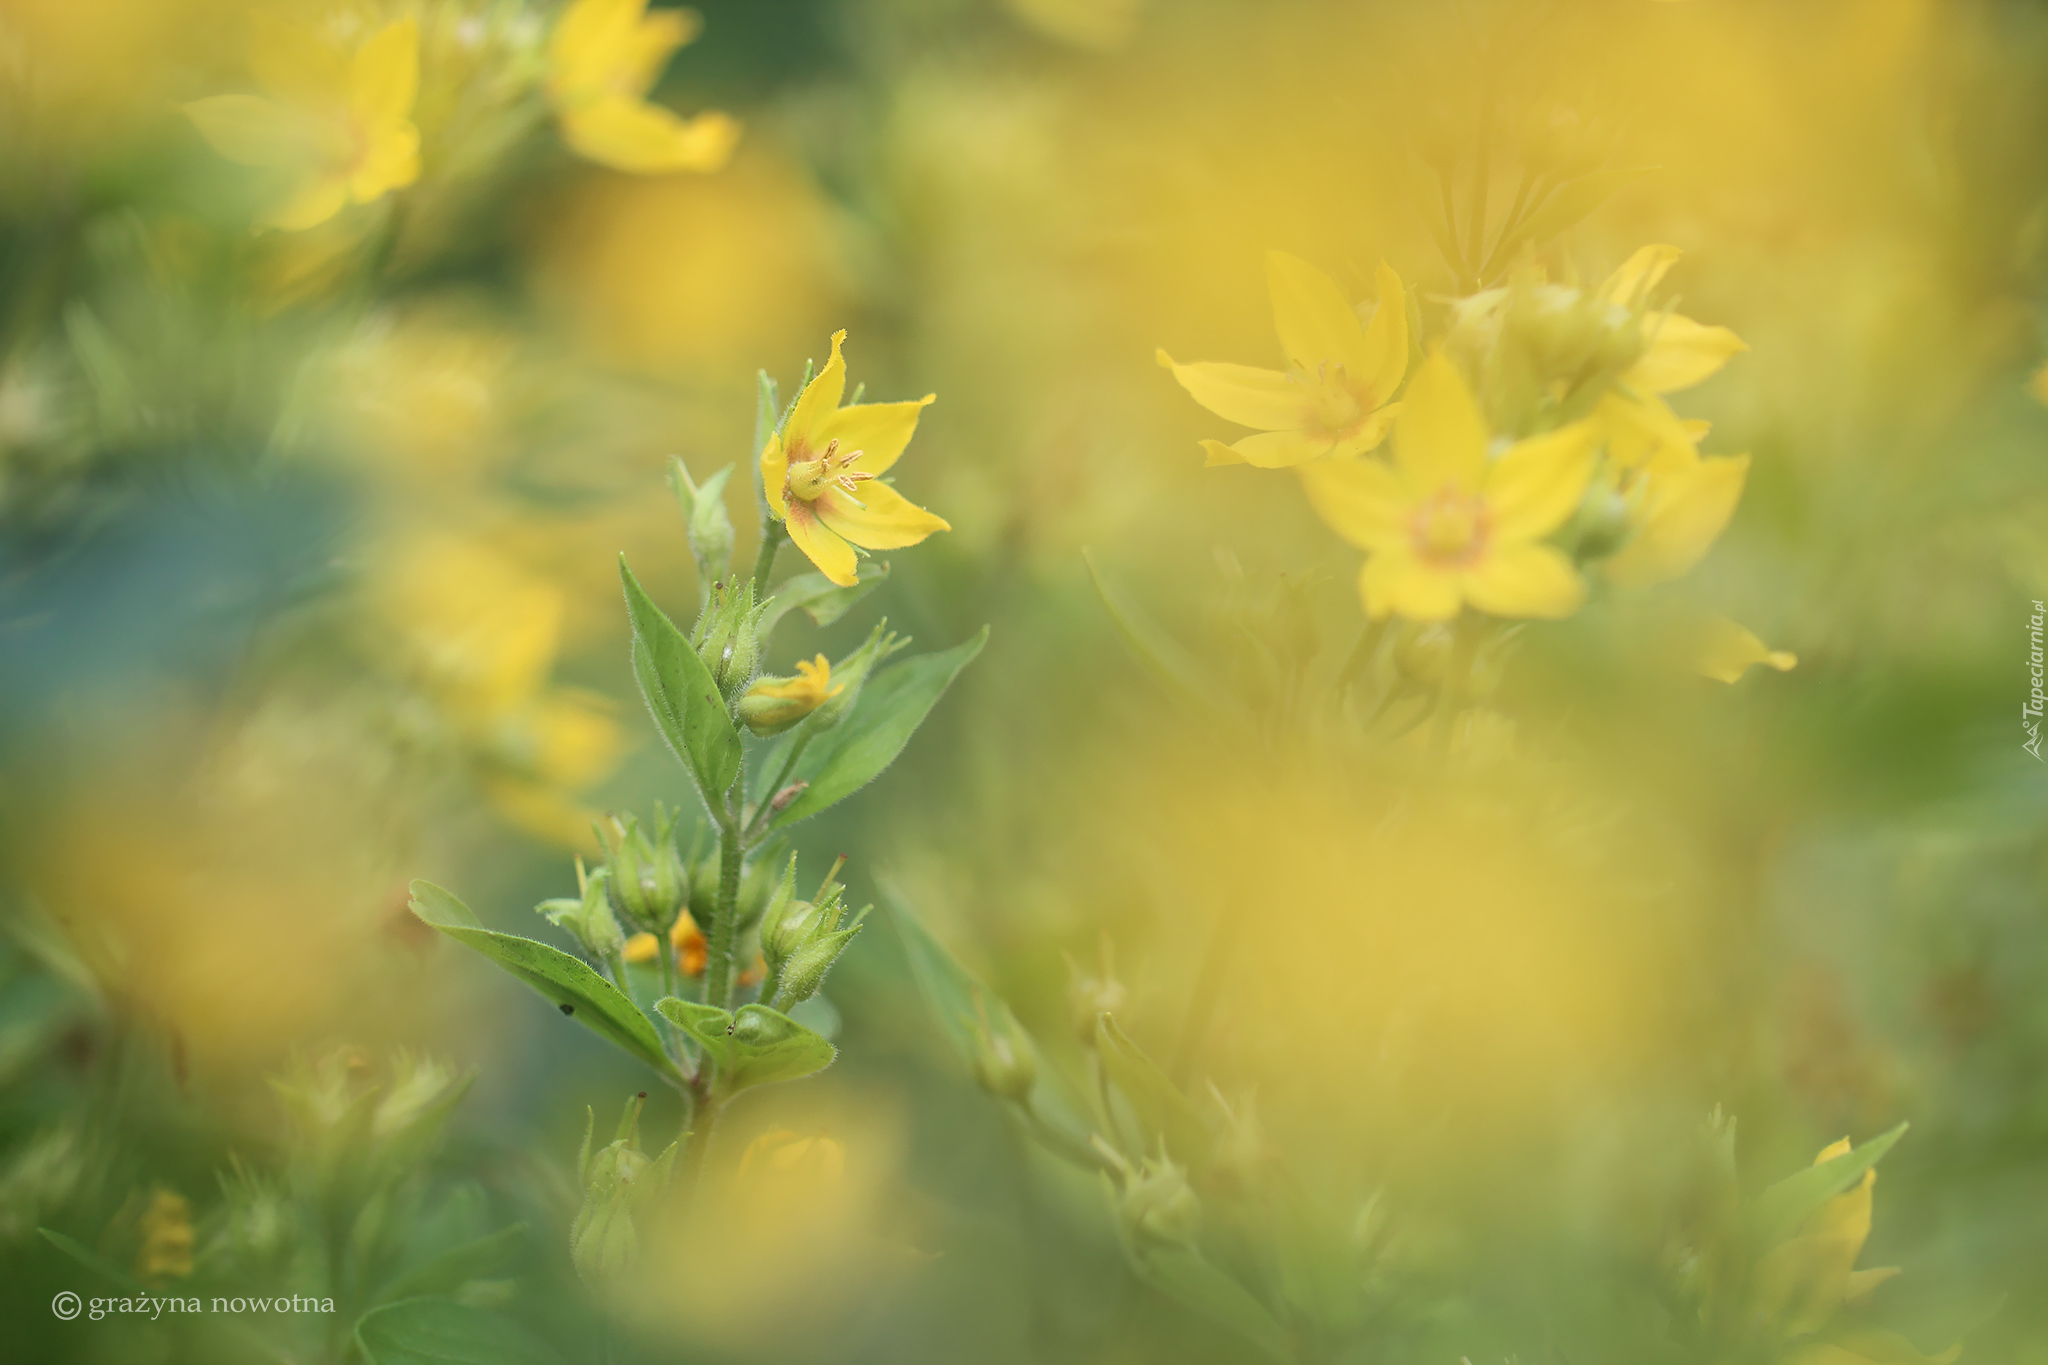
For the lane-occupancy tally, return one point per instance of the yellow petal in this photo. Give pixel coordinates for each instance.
(1370, 433)
(1684, 514)
(296, 65)
(1284, 449)
(1639, 274)
(647, 139)
(1386, 337)
(1316, 323)
(591, 43)
(834, 557)
(1245, 394)
(1361, 500)
(642, 948)
(1681, 353)
(803, 434)
(1725, 651)
(1861, 1282)
(1217, 453)
(313, 204)
(385, 76)
(1440, 437)
(1537, 484)
(888, 521)
(654, 40)
(390, 162)
(1394, 583)
(251, 130)
(879, 431)
(1521, 580)
(1639, 427)
(775, 473)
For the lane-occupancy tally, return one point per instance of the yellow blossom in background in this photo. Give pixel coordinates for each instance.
(1444, 525)
(166, 1228)
(1724, 651)
(1680, 503)
(603, 58)
(2038, 384)
(338, 125)
(1098, 25)
(1802, 1282)
(685, 939)
(1677, 354)
(1333, 399)
(822, 474)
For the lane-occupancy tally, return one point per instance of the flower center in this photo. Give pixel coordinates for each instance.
(808, 478)
(1336, 403)
(1449, 527)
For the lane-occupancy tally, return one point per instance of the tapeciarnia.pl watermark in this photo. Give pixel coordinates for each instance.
(68, 1305)
(2030, 713)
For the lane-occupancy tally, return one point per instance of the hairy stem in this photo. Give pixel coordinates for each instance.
(731, 849)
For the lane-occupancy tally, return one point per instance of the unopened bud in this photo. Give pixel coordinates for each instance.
(711, 535)
(1005, 1060)
(1158, 1205)
(648, 885)
(728, 636)
(589, 919)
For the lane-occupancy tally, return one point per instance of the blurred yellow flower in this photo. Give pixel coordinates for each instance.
(780, 1163)
(603, 58)
(1677, 354)
(166, 1229)
(1680, 504)
(339, 125)
(1332, 401)
(821, 474)
(685, 939)
(1446, 526)
(1725, 651)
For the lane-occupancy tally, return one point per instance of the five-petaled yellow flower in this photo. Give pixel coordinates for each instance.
(339, 124)
(1332, 400)
(603, 58)
(1447, 525)
(820, 473)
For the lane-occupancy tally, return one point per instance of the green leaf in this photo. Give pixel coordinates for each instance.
(591, 1000)
(892, 705)
(1183, 1274)
(680, 693)
(92, 1260)
(1575, 200)
(442, 1332)
(755, 1046)
(1784, 1206)
(958, 1000)
(444, 1273)
(1161, 1109)
(822, 600)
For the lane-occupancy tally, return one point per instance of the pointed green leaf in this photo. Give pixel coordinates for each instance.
(1784, 1206)
(1184, 1275)
(445, 1273)
(443, 1332)
(92, 1260)
(893, 704)
(589, 999)
(754, 1046)
(822, 600)
(1164, 1112)
(682, 696)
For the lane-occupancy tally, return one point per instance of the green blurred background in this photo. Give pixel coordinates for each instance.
(306, 590)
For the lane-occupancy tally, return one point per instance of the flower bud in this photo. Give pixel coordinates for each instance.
(800, 940)
(852, 673)
(1091, 997)
(773, 704)
(617, 1180)
(728, 636)
(805, 970)
(1157, 1204)
(648, 884)
(1602, 523)
(1005, 1060)
(782, 905)
(589, 919)
(711, 536)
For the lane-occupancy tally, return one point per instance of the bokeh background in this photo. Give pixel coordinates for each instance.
(307, 589)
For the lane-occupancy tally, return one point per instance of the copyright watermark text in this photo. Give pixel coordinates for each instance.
(68, 1305)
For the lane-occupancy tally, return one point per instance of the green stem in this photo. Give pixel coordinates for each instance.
(796, 751)
(703, 1123)
(764, 558)
(1464, 645)
(718, 968)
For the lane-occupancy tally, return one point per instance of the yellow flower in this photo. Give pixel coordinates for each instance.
(772, 705)
(1725, 651)
(1677, 354)
(339, 125)
(1680, 504)
(782, 1158)
(166, 1229)
(1332, 401)
(685, 939)
(821, 474)
(603, 58)
(1446, 526)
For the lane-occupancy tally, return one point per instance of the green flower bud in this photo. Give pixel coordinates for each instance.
(1602, 523)
(1005, 1059)
(1422, 654)
(800, 940)
(759, 884)
(711, 536)
(805, 970)
(589, 919)
(618, 1180)
(1157, 1205)
(648, 883)
(1089, 997)
(781, 906)
(728, 637)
